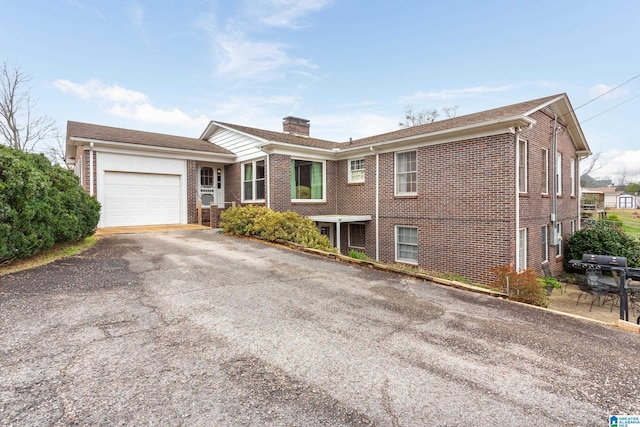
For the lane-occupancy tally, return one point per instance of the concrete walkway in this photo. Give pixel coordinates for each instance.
(148, 229)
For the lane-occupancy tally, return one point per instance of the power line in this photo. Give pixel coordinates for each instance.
(607, 92)
(606, 111)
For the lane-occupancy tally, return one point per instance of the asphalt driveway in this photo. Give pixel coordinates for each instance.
(197, 328)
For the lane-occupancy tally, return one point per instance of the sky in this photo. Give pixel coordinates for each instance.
(349, 66)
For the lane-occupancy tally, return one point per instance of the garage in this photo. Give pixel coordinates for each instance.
(140, 199)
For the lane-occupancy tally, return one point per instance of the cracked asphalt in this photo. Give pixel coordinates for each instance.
(196, 328)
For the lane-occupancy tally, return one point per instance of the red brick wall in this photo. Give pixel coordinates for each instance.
(232, 184)
(192, 190)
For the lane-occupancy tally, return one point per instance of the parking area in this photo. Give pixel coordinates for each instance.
(192, 327)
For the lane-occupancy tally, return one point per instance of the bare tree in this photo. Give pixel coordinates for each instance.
(55, 151)
(413, 117)
(592, 165)
(19, 127)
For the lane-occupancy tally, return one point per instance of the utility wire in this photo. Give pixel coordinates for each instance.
(606, 111)
(607, 92)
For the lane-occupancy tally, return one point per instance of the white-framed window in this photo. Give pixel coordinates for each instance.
(356, 235)
(356, 170)
(522, 249)
(558, 174)
(406, 173)
(253, 182)
(522, 166)
(544, 242)
(572, 226)
(573, 177)
(407, 244)
(559, 239)
(545, 172)
(307, 180)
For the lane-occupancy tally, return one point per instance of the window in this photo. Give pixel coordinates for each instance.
(572, 226)
(558, 174)
(206, 177)
(522, 166)
(356, 235)
(406, 176)
(522, 249)
(253, 180)
(559, 240)
(307, 180)
(573, 177)
(407, 244)
(356, 170)
(545, 171)
(544, 241)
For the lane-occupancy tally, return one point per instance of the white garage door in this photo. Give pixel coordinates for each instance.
(140, 199)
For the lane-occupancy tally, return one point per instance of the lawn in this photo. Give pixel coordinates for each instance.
(630, 220)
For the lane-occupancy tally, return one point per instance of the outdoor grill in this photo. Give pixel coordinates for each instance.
(608, 263)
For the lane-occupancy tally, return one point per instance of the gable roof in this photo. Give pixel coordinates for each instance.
(507, 116)
(87, 132)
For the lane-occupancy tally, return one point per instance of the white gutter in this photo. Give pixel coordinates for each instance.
(377, 205)
(91, 169)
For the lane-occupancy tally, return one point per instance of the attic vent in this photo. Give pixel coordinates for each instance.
(296, 126)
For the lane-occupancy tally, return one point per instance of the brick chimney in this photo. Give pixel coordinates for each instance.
(295, 126)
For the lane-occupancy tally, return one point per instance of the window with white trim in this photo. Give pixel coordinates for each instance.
(572, 226)
(406, 173)
(407, 244)
(559, 174)
(573, 177)
(545, 172)
(544, 242)
(253, 182)
(356, 235)
(522, 249)
(307, 180)
(522, 166)
(356, 170)
(559, 240)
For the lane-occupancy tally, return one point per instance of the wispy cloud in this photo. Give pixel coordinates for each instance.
(455, 93)
(129, 104)
(83, 6)
(284, 13)
(607, 91)
(135, 13)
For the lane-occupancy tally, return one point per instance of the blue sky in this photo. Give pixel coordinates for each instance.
(350, 66)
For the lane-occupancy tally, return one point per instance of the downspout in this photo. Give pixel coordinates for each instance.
(516, 131)
(554, 197)
(377, 204)
(91, 169)
(268, 176)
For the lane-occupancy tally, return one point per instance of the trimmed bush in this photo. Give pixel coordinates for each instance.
(40, 205)
(269, 225)
(603, 238)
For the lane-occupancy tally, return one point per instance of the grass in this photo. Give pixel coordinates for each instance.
(630, 222)
(57, 252)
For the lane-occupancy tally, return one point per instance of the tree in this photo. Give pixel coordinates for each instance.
(19, 127)
(415, 118)
(632, 188)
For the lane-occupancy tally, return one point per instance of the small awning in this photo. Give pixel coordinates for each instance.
(339, 219)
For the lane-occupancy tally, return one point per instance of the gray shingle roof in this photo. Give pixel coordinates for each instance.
(112, 134)
(287, 138)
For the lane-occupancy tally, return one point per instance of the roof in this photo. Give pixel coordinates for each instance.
(513, 113)
(91, 132)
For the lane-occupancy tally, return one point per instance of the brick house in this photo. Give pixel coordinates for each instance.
(457, 195)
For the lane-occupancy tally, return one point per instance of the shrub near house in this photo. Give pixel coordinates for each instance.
(40, 205)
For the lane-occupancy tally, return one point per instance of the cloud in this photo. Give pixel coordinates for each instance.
(285, 13)
(456, 93)
(240, 58)
(618, 164)
(607, 91)
(129, 104)
(135, 13)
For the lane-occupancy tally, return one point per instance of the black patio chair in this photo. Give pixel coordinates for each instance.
(598, 291)
(547, 273)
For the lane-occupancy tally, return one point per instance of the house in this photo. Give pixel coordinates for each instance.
(458, 195)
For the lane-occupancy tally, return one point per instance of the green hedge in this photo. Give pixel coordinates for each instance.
(603, 238)
(270, 225)
(40, 205)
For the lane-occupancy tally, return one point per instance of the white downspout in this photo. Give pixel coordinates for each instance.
(91, 169)
(377, 204)
(268, 183)
(517, 201)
